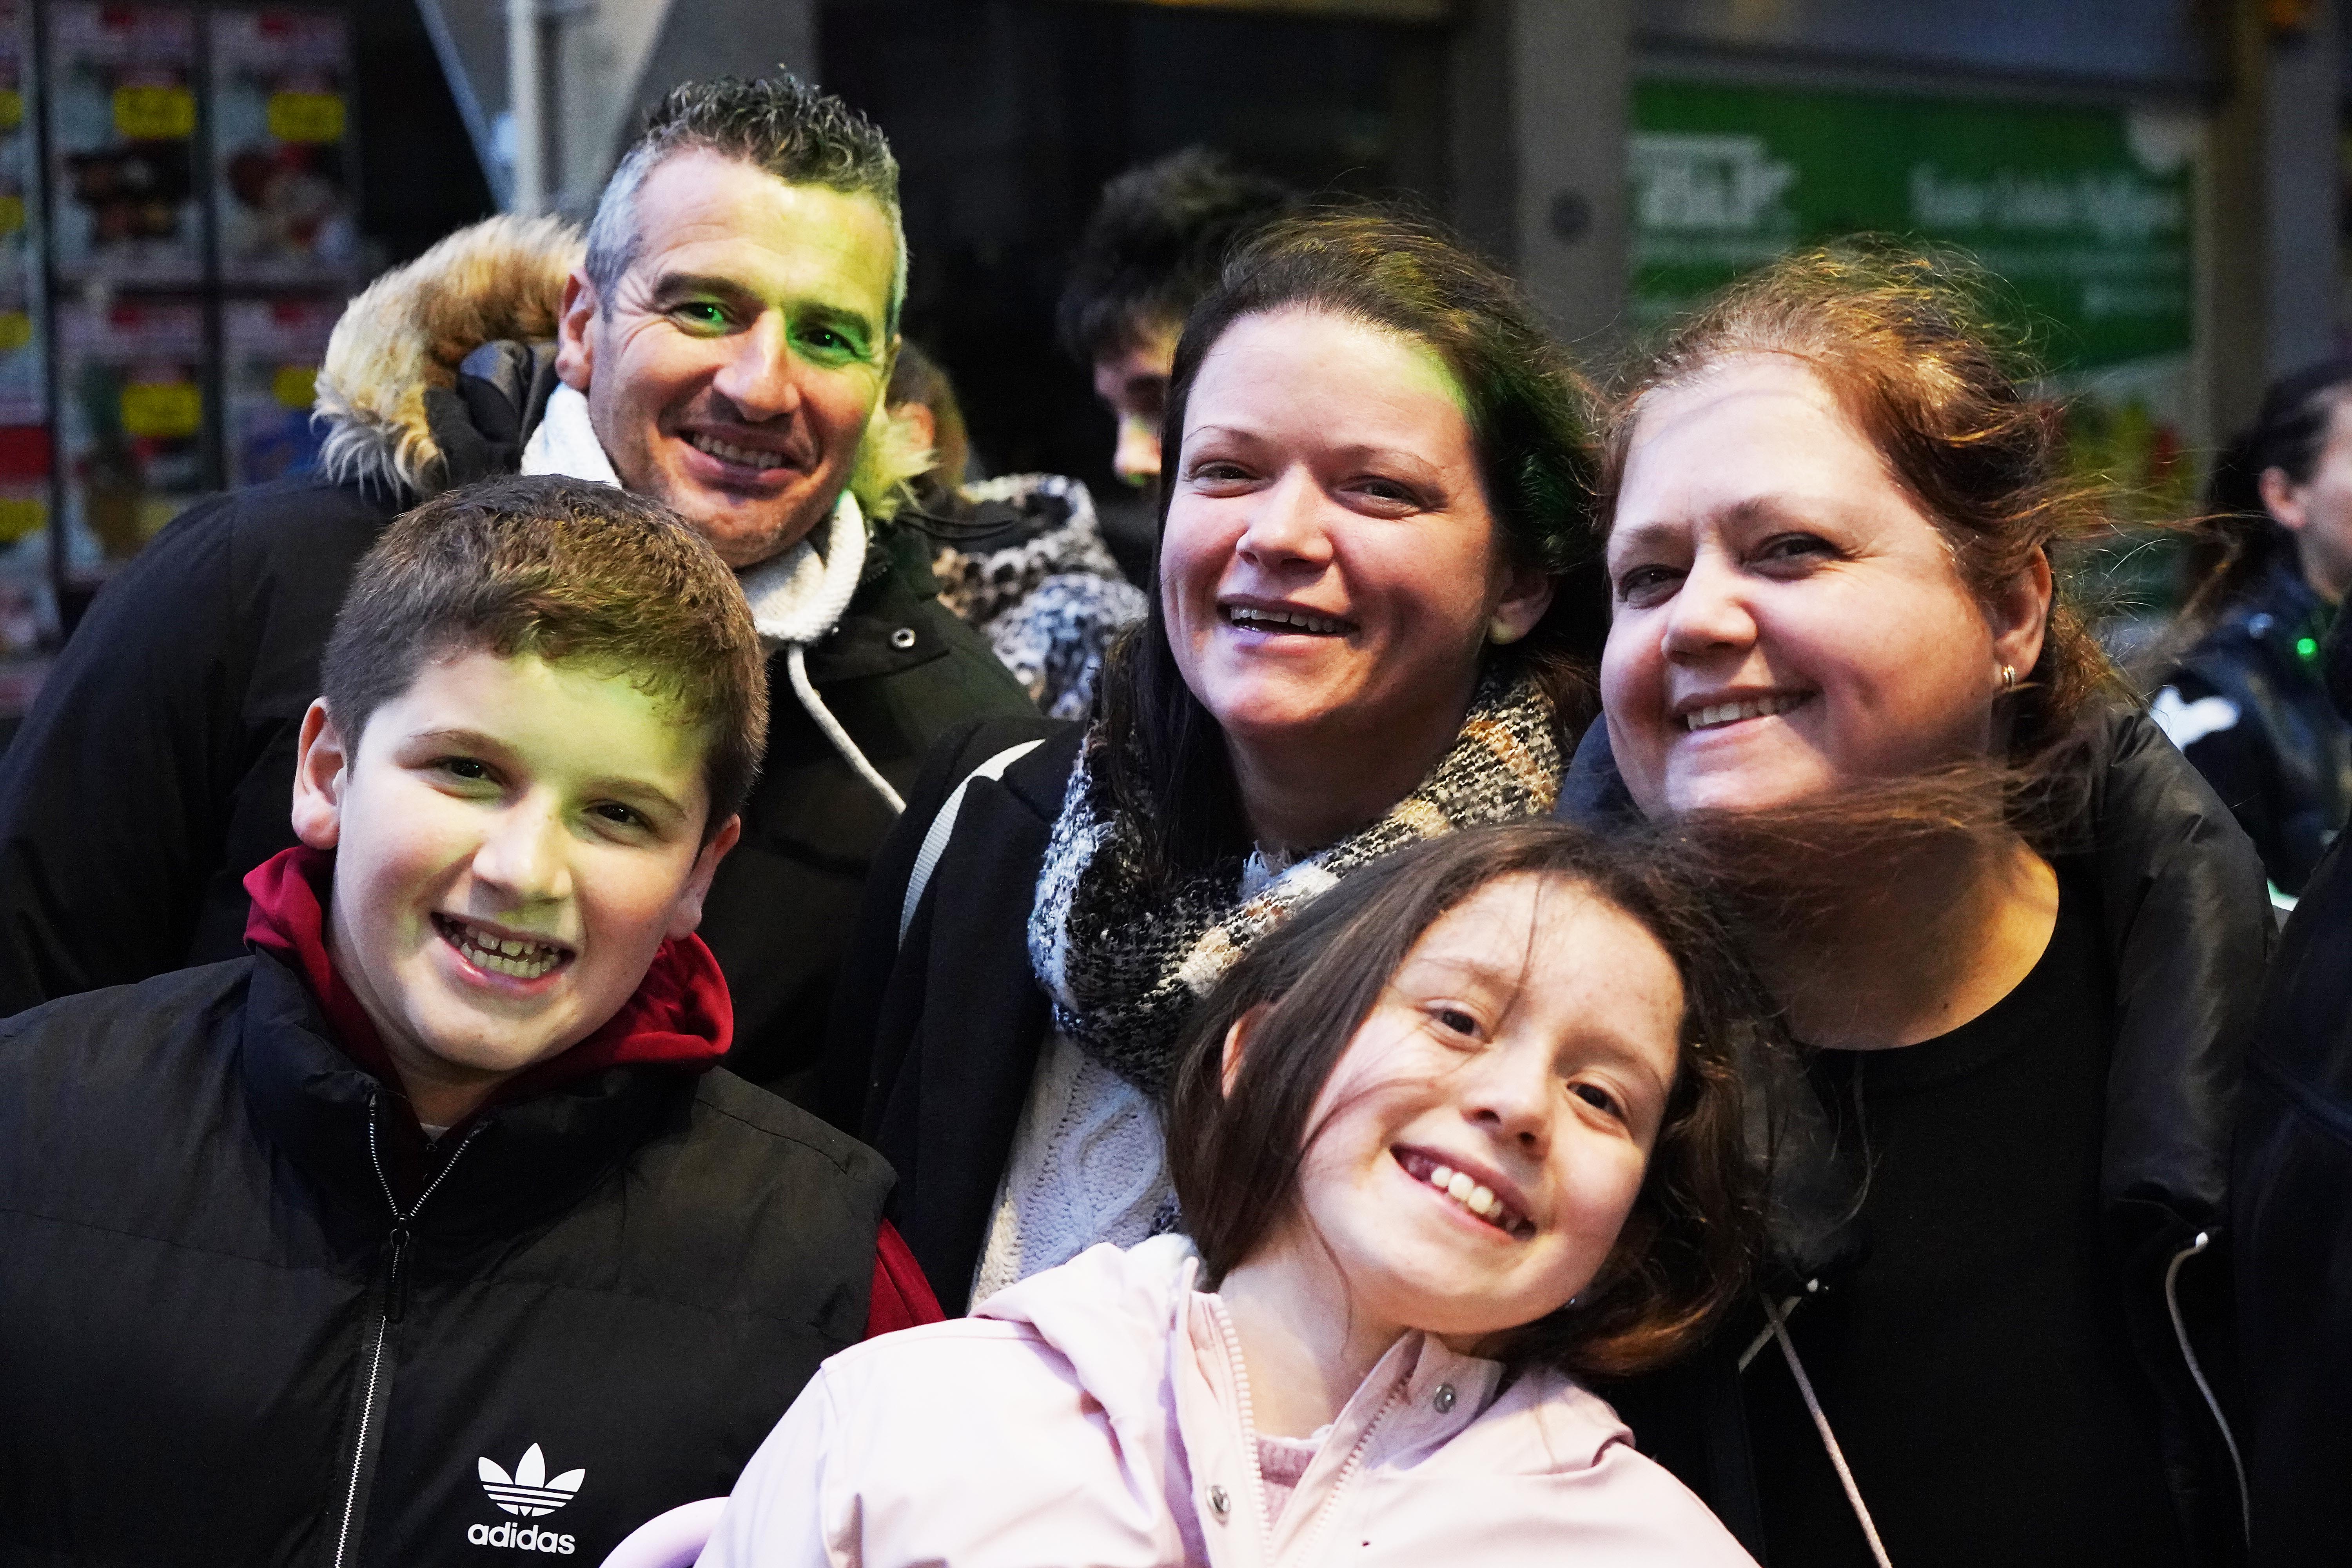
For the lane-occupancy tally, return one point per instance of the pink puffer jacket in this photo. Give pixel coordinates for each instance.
(1097, 1414)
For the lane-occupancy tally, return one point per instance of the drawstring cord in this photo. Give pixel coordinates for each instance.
(2189, 1354)
(1779, 1330)
(795, 663)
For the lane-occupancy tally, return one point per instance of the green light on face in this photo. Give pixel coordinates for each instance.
(2307, 646)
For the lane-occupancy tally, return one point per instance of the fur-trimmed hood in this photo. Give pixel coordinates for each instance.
(406, 334)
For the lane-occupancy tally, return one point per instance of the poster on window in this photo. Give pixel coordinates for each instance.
(29, 621)
(2081, 214)
(131, 385)
(122, 127)
(272, 349)
(280, 128)
(22, 397)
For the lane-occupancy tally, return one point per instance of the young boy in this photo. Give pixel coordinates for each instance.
(426, 1233)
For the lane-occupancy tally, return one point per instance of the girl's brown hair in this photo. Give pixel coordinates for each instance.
(1907, 343)
(1686, 1248)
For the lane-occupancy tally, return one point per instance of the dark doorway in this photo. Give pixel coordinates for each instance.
(1009, 115)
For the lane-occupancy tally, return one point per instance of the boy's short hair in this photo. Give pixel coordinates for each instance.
(1156, 244)
(574, 572)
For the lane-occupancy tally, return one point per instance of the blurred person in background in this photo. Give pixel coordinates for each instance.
(1150, 251)
(1020, 558)
(1374, 624)
(721, 343)
(2022, 938)
(2248, 701)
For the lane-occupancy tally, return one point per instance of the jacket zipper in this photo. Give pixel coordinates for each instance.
(1313, 1538)
(393, 1304)
(2204, 1389)
(1312, 1541)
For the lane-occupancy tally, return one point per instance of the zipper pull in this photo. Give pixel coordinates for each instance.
(395, 1282)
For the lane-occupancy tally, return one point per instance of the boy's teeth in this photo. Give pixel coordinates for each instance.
(506, 956)
(1717, 713)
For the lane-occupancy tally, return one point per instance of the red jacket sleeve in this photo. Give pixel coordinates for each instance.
(902, 1296)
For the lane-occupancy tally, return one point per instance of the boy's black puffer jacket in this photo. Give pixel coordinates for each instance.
(217, 1347)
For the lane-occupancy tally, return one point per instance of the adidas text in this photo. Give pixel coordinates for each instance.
(524, 1537)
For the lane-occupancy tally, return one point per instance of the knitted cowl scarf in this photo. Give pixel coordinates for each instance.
(1124, 960)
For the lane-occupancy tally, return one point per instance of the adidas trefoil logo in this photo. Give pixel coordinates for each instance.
(527, 1493)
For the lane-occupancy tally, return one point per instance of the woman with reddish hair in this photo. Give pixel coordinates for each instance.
(2020, 936)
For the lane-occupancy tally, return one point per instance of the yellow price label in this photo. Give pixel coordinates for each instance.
(12, 108)
(306, 116)
(16, 331)
(21, 517)
(154, 113)
(295, 386)
(169, 409)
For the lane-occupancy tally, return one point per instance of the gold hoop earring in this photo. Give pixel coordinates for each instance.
(1501, 632)
(2009, 678)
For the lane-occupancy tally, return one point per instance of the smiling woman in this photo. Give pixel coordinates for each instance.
(1377, 614)
(2022, 936)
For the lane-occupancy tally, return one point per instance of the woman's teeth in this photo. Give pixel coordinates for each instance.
(1284, 621)
(502, 955)
(1479, 1200)
(1732, 712)
(748, 456)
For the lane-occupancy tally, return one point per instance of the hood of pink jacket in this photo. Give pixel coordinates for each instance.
(1097, 1414)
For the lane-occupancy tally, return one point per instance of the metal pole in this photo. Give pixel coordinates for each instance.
(525, 100)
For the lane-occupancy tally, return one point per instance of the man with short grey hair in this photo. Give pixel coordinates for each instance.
(721, 341)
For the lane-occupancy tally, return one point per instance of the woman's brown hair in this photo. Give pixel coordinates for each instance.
(1531, 423)
(1908, 342)
(1236, 1153)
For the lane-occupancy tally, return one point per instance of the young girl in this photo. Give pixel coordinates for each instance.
(1466, 1129)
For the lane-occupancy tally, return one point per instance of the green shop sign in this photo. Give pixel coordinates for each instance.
(2085, 213)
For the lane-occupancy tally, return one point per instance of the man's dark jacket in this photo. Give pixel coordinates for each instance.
(215, 1350)
(2187, 928)
(157, 766)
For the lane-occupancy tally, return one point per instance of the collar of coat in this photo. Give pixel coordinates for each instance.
(679, 1018)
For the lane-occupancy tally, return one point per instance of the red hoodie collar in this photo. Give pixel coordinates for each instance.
(679, 1016)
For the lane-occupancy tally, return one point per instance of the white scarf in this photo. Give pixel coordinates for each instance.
(797, 598)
